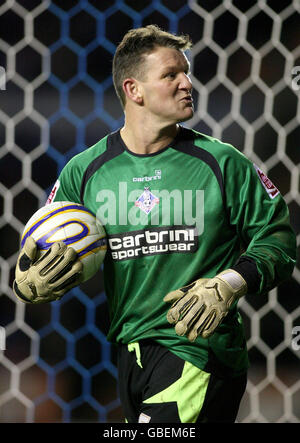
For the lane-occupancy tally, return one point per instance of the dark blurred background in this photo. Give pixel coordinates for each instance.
(58, 100)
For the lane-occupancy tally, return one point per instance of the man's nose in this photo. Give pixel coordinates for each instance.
(185, 82)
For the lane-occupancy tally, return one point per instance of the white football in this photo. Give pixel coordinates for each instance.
(73, 224)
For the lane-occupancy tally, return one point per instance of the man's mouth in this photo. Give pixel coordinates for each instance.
(188, 98)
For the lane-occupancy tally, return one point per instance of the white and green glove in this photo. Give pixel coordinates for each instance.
(48, 278)
(200, 307)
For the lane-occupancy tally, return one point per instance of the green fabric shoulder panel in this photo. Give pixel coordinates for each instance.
(70, 178)
(220, 150)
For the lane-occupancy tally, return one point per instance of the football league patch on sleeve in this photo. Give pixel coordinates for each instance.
(53, 192)
(267, 183)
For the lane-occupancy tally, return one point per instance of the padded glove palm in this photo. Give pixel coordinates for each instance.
(49, 277)
(199, 308)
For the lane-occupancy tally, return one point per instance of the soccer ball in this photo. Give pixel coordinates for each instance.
(73, 224)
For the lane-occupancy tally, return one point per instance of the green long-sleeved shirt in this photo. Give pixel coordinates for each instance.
(190, 210)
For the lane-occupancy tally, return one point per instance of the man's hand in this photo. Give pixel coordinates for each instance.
(199, 308)
(48, 278)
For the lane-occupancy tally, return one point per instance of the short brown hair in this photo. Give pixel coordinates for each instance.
(136, 43)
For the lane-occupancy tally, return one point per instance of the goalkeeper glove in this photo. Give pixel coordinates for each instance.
(200, 307)
(48, 278)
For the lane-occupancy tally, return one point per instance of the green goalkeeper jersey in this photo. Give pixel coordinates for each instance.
(190, 210)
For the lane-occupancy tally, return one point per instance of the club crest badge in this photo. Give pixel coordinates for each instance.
(147, 200)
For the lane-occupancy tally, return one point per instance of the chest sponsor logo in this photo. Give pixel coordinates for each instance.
(154, 241)
(266, 182)
(156, 176)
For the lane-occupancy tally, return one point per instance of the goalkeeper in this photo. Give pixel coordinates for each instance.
(192, 227)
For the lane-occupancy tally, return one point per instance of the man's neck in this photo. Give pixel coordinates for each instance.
(143, 140)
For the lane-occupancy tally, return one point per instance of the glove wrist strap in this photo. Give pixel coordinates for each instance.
(235, 281)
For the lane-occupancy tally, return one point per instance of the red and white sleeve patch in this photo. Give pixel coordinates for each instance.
(266, 182)
(53, 193)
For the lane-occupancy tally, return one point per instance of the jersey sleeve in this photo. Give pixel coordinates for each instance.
(260, 216)
(67, 186)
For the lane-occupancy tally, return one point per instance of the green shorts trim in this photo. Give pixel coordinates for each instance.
(188, 391)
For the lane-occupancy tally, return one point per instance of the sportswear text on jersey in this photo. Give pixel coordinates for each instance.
(153, 241)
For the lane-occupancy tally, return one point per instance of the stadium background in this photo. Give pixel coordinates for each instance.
(58, 100)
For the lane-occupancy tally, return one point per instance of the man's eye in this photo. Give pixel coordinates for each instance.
(171, 75)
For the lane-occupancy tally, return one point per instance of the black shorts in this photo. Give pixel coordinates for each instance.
(157, 386)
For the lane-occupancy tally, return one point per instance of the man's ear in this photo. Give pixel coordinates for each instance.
(132, 91)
